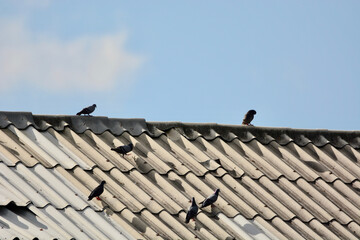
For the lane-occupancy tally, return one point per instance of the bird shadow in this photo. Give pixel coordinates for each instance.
(142, 165)
(212, 213)
(105, 206)
(316, 166)
(138, 224)
(178, 184)
(197, 226)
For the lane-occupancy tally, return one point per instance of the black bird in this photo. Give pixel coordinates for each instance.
(87, 110)
(124, 149)
(193, 209)
(97, 191)
(211, 199)
(249, 116)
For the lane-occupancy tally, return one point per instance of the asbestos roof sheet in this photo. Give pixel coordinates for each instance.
(276, 183)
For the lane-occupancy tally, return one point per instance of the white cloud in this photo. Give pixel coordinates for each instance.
(88, 63)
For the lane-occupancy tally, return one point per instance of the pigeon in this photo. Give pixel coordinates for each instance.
(87, 110)
(211, 199)
(249, 116)
(124, 149)
(97, 191)
(193, 209)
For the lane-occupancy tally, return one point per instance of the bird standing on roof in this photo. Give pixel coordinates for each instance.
(211, 199)
(87, 110)
(124, 149)
(249, 116)
(193, 209)
(97, 191)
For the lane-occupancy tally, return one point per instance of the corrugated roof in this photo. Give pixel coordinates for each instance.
(276, 183)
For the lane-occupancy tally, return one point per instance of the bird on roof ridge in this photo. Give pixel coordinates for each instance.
(249, 116)
(97, 191)
(87, 110)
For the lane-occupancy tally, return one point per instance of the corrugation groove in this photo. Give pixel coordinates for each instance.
(324, 202)
(304, 200)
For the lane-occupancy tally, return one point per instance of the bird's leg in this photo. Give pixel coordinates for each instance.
(193, 219)
(98, 198)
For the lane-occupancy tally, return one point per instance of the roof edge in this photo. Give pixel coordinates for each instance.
(320, 137)
(209, 131)
(79, 124)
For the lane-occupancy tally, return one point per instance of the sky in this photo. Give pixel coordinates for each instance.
(297, 63)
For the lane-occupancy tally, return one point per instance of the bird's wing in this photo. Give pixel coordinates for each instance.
(87, 110)
(91, 109)
(92, 194)
(213, 198)
(191, 213)
(210, 200)
(81, 112)
(127, 148)
(206, 203)
(97, 191)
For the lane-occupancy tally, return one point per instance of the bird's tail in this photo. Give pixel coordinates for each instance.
(187, 220)
(113, 149)
(79, 113)
(89, 199)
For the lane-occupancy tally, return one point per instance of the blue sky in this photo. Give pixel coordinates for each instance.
(297, 63)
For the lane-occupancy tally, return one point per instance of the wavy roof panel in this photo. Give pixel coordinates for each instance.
(276, 183)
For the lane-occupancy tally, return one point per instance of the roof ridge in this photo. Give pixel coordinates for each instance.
(210, 131)
(79, 124)
(265, 135)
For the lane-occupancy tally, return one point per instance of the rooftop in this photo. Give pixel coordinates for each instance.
(276, 183)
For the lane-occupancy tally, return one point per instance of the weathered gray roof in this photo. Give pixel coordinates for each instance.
(276, 183)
